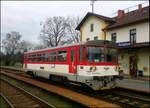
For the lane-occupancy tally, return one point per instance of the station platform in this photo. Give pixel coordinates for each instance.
(136, 84)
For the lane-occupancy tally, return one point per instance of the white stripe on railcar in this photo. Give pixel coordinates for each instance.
(58, 68)
(100, 71)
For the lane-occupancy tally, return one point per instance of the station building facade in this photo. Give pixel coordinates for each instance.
(129, 30)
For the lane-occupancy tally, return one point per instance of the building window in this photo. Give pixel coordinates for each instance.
(95, 38)
(133, 35)
(113, 37)
(92, 27)
(87, 39)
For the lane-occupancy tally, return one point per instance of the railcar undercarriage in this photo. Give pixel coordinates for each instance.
(101, 82)
(94, 82)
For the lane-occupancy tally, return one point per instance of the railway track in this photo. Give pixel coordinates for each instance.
(121, 97)
(16, 97)
(70, 94)
(126, 99)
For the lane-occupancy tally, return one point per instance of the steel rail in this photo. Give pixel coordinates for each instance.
(7, 101)
(126, 100)
(131, 96)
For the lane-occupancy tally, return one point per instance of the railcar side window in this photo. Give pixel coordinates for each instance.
(52, 57)
(34, 58)
(38, 57)
(45, 57)
(62, 56)
(29, 57)
(41, 57)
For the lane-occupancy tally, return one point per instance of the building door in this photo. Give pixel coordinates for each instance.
(133, 66)
(73, 61)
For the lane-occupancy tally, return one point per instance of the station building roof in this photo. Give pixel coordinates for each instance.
(138, 15)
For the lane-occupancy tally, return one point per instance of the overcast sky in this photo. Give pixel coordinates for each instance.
(25, 16)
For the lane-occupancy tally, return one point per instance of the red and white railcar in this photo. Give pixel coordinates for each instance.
(93, 63)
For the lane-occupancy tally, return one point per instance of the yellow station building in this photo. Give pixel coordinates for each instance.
(129, 30)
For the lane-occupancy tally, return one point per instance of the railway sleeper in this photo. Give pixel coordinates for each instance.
(27, 104)
(18, 100)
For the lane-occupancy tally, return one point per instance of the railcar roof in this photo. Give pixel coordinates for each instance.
(95, 42)
(75, 44)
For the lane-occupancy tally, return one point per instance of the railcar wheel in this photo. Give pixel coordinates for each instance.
(31, 74)
(34, 76)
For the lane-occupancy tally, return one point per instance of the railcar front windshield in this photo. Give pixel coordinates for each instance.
(95, 54)
(101, 54)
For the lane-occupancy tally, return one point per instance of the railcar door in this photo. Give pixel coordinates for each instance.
(73, 60)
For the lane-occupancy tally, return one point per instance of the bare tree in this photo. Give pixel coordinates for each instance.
(14, 47)
(53, 32)
(11, 43)
(74, 35)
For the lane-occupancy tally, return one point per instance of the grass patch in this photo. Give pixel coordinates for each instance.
(12, 67)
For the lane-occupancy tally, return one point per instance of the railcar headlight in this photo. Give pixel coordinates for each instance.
(81, 67)
(93, 69)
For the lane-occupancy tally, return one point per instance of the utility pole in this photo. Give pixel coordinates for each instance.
(92, 4)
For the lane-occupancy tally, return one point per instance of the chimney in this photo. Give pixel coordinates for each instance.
(140, 7)
(120, 13)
